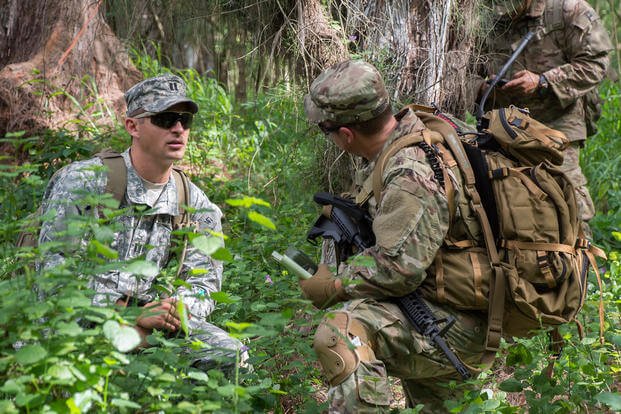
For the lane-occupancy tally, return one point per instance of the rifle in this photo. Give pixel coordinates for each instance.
(499, 76)
(349, 225)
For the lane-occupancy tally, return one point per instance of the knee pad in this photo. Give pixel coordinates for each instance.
(341, 342)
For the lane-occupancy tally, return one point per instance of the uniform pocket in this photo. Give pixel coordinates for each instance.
(372, 383)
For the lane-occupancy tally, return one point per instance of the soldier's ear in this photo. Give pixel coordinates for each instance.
(347, 134)
(131, 126)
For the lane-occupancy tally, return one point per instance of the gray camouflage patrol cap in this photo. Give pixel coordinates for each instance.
(157, 94)
(346, 93)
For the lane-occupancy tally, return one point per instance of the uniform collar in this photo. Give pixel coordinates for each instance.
(407, 123)
(137, 194)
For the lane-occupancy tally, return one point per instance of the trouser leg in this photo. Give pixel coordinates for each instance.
(571, 168)
(218, 349)
(359, 382)
(358, 348)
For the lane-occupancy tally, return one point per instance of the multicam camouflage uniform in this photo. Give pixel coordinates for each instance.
(410, 227)
(570, 49)
(147, 235)
(370, 338)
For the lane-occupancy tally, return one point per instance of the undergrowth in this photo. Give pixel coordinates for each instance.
(257, 161)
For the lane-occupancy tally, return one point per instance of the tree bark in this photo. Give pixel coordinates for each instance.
(59, 61)
(422, 46)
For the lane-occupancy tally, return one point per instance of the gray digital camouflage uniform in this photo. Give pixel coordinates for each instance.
(570, 49)
(146, 235)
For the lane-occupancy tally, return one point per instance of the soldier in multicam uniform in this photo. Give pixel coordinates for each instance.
(368, 339)
(158, 119)
(557, 73)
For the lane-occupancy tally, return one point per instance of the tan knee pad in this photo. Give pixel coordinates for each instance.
(341, 343)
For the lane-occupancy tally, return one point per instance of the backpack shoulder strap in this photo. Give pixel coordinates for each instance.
(183, 198)
(182, 219)
(497, 292)
(380, 164)
(117, 173)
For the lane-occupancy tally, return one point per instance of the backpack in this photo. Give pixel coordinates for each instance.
(117, 186)
(530, 271)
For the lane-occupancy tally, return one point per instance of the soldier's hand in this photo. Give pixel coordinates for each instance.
(160, 315)
(524, 82)
(323, 289)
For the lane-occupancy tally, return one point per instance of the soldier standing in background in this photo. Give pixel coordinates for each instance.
(557, 75)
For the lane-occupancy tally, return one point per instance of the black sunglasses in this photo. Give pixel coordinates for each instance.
(168, 120)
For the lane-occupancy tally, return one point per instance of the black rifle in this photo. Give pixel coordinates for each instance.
(499, 76)
(349, 225)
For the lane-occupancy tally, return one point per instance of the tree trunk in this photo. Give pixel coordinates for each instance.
(320, 42)
(59, 61)
(422, 46)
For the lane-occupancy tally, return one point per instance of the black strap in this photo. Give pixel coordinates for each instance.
(484, 186)
(432, 158)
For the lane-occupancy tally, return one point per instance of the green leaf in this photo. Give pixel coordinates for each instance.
(75, 300)
(183, 316)
(207, 245)
(511, 385)
(68, 328)
(247, 202)
(12, 387)
(261, 219)
(60, 372)
(221, 297)
(104, 250)
(7, 407)
(117, 402)
(223, 254)
(198, 375)
(611, 399)
(142, 268)
(30, 354)
(123, 337)
(239, 327)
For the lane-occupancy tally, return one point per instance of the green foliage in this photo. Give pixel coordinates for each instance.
(255, 160)
(601, 161)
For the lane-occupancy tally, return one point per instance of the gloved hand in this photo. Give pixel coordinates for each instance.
(323, 289)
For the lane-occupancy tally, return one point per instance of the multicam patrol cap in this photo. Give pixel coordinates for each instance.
(346, 93)
(157, 94)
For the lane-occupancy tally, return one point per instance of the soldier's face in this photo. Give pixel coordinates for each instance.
(159, 143)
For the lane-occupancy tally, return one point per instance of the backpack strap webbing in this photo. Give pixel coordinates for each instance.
(380, 164)
(183, 198)
(117, 173)
(497, 286)
(183, 218)
(117, 186)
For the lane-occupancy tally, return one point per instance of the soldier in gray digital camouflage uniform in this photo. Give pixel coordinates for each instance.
(368, 339)
(555, 76)
(158, 119)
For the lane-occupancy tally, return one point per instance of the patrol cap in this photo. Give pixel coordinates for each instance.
(157, 94)
(349, 92)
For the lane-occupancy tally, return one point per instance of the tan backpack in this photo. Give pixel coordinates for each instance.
(523, 259)
(116, 185)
